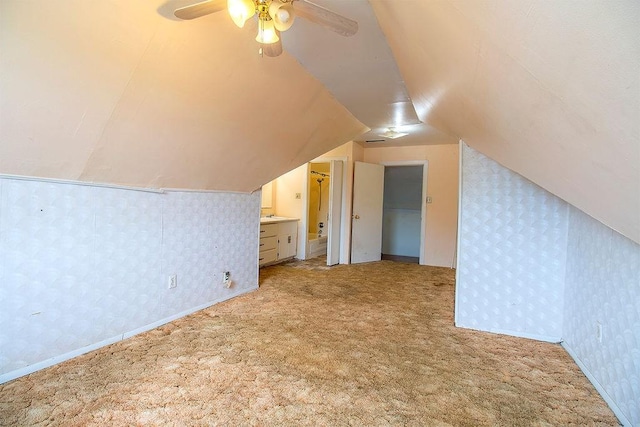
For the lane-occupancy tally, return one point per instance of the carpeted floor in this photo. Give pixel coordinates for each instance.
(366, 345)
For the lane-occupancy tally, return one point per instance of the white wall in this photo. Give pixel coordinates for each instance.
(442, 186)
(287, 186)
(84, 266)
(532, 265)
(511, 252)
(603, 286)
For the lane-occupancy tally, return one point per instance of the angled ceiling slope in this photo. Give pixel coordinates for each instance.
(114, 92)
(550, 89)
(361, 72)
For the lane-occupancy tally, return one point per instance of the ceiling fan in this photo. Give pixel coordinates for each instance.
(274, 16)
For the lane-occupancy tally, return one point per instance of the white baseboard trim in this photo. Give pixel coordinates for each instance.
(545, 338)
(80, 351)
(12, 375)
(614, 407)
(612, 404)
(318, 253)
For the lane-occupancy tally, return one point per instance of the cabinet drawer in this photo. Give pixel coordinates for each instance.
(268, 243)
(267, 256)
(268, 230)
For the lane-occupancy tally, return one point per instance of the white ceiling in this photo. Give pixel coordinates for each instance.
(550, 89)
(361, 72)
(117, 92)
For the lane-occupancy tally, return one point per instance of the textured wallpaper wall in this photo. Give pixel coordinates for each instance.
(512, 245)
(83, 266)
(603, 292)
(532, 265)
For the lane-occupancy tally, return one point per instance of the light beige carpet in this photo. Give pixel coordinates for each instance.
(363, 345)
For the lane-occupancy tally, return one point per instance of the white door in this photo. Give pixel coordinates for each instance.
(335, 212)
(366, 225)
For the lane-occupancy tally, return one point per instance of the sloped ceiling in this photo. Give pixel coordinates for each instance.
(550, 89)
(361, 72)
(115, 92)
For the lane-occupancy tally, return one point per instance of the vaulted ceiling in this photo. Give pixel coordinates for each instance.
(549, 89)
(118, 92)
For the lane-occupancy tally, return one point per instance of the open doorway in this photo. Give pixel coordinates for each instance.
(318, 208)
(324, 210)
(403, 196)
(402, 213)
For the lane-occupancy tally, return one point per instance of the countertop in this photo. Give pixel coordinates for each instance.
(274, 219)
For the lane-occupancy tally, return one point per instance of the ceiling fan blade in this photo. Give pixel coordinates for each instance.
(331, 20)
(272, 49)
(200, 9)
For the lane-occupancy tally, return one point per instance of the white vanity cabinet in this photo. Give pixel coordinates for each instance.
(287, 239)
(278, 238)
(268, 244)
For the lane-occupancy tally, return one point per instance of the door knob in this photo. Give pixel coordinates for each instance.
(356, 216)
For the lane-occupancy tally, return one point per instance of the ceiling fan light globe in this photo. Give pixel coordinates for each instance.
(240, 11)
(284, 19)
(282, 15)
(273, 8)
(267, 32)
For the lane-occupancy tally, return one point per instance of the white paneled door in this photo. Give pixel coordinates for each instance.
(366, 223)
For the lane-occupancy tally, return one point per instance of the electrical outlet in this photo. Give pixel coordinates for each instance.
(173, 281)
(226, 279)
